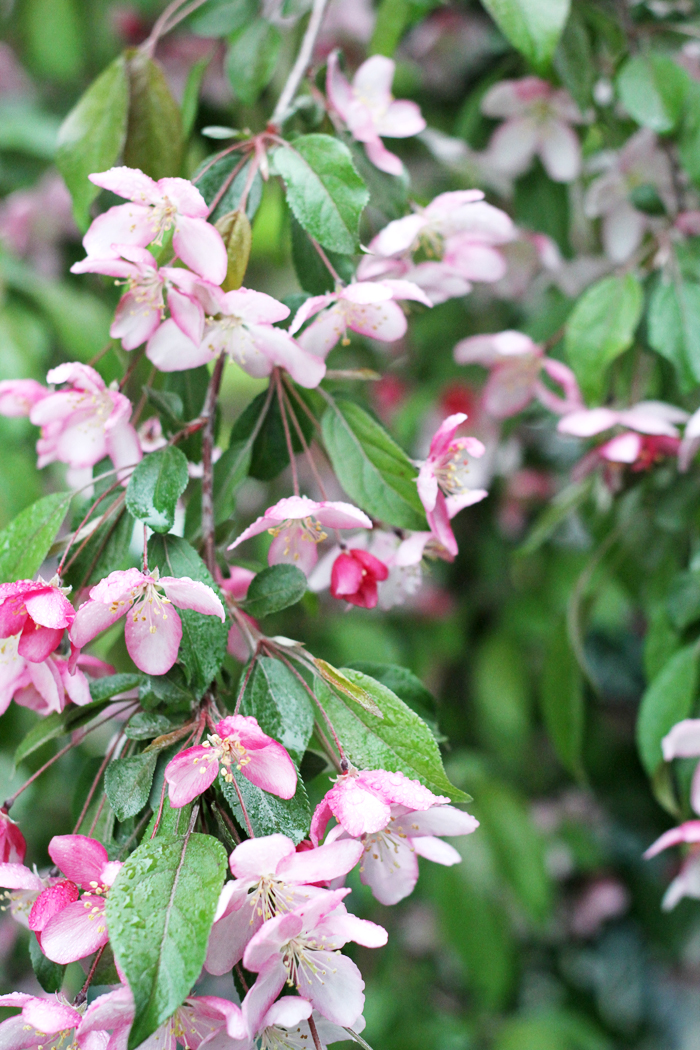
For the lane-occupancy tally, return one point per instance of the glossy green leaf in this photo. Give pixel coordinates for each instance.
(154, 129)
(112, 685)
(281, 704)
(145, 725)
(312, 273)
(274, 589)
(25, 542)
(92, 136)
(674, 328)
(160, 911)
(407, 686)
(213, 174)
(166, 690)
(374, 471)
(155, 487)
(128, 783)
(265, 436)
(324, 191)
(652, 89)
(49, 974)
(562, 702)
(268, 814)
(667, 700)
(251, 59)
(600, 328)
(532, 26)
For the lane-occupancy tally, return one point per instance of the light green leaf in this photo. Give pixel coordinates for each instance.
(155, 487)
(145, 725)
(600, 328)
(190, 97)
(674, 328)
(652, 89)
(532, 26)
(25, 542)
(281, 704)
(251, 59)
(371, 467)
(54, 37)
(92, 136)
(154, 129)
(324, 191)
(159, 912)
(561, 701)
(128, 783)
(667, 700)
(274, 589)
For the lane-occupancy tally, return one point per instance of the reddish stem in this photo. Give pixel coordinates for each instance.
(287, 435)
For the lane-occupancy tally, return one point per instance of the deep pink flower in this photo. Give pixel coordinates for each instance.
(444, 472)
(45, 686)
(355, 575)
(70, 928)
(297, 526)
(156, 208)
(516, 364)
(39, 612)
(240, 324)
(12, 843)
(270, 877)
(367, 307)
(370, 110)
(301, 946)
(41, 1020)
(236, 741)
(153, 628)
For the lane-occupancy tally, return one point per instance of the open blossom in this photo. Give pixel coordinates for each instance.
(367, 307)
(282, 1026)
(301, 947)
(155, 208)
(516, 364)
(370, 111)
(443, 475)
(42, 1020)
(236, 741)
(22, 887)
(650, 433)
(153, 628)
(687, 881)
(18, 396)
(355, 575)
(142, 307)
(270, 877)
(38, 611)
(12, 844)
(45, 686)
(537, 122)
(240, 324)
(297, 525)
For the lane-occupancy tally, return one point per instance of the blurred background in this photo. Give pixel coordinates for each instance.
(550, 935)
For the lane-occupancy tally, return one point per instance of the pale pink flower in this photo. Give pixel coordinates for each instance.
(640, 162)
(650, 435)
(12, 843)
(44, 686)
(367, 307)
(156, 208)
(34, 222)
(236, 741)
(444, 473)
(687, 882)
(439, 541)
(516, 364)
(270, 877)
(370, 111)
(537, 122)
(691, 442)
(239, 324)
(23, 886)
(603, 899)
(41, 1020)
(297, 523)
(18, 396)
(282, 1026)
(301, 947)
(39, 612)
(153, 628)
(142, 307)
(69, 929)
(237, 584)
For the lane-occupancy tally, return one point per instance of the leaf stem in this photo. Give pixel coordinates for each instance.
(173, 14)
(225, 185)
(209, 412)
(82, 994)
(103, 765)
(246, 679)
(249, 826)
(287, 435)
(300, 66)
(84, 522)
(302, 439)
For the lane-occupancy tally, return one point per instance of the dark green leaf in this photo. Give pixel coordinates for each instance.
(64, 722)
(155, 487)
(684, 599)
(112, 685)
(281, 704)
(668, 700)
(53, 30)
(92, 136)
(267, 813)
(169, 406)
(393, 16)
(160, 911)
(251, 59)
(128, 783)
(274, 589)
(48, 974)
(204, 638)
(312, 273)
(502, 697)
(106, 550)
(560, 508)
(532, 26)
(674, 328)
(388, 194)
(371, 467)
(220, 17)
(269, 447)
(154, 129)
(191, 387)
(561, 701)
(145, 725)
(652, 89)
(212, 178)
(689, 144)
(324, 191)
(169, 690)
(25, 542)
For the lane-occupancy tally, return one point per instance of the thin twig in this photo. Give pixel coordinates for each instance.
(117, 505)
(103, 765)
(314, 1033)
(174, 13)
(300, 66)
(85, 521)
(246, 678)
(225, 185)
(304, 445)
(209, 413)
(324, 258)
(220, 814)
(249, 826)
(287, 435)
(82, 994)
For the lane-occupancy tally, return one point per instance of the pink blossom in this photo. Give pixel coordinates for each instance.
(443, 473)
(70, 928)
(367, 307)
(34, 222)
(370, 111)
(283, 1025)
(23, 886)
(142, 307)
(39, 612)
(236, 741)
(401, 582)
(239, 324)
(537, 122)
(156, 208)
(270, 877)
(237, 584)
(153, 628)
(43, 686)
(690, 443)
(687, 882)
(355, 576)
(652, 433)
(296, 523)
(12, 844)
(301, 947)
(40, 1019)
(516, 364)
(18, 396)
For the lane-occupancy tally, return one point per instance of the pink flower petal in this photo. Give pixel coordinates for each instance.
(229, 938)
(187, 313)
(49, 1015)
(688, 832)
(383, 321)
(382, 158)
(18, 396)
(339, 998)
(51, 901)
(436, 850)
(50, 608)
(321, 864)
(336, 514)
(191, 594)
(200, 247)
(135, 320)
(36, 643)
(170, 350)
(560, 151)
(323, 334)
(293, 547)
(80, 858)
(308, 308)
(280, 349)
(513, 145)
(120, 586)
(439, 522)
(128, 182)
(683, 741)
(391, 876)
(48, 684)
(271, 769)
(261, 856)
(76, 931)
(401, 120)
(185, 196)
(15, 876)
(153, 633)
(123, 224)
(189, 774)
(124, 449)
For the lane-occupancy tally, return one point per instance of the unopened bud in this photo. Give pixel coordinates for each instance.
(234, 228)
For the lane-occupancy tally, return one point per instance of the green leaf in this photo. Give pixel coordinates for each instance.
(24, 129)
(190, 97)
(667, 700)
(106, 550)
(281, 704)
(674, 328)
(54, 38)
(274, 589)
(145, 725)
(561, 701)
(112, 685)
(573, 60)
(251, 59)
(374, 471)
(128, 783)
(236, 234)
(532, 26)
(92, 136)
(393, 16)
(169, 406)
(600, 328)
(64, 722)
(341, 684)
(48, 974)
(502, 697)
(267, 813)
(159, 912)
(388, 194)
(684, 599)
(204, 638)
(211, 176)
(560, 508)
(154, 128)
(407, 686)
(400, 741)
(324, 191)
(220, 17)
(266, 435)
(312, 273)
(652, 89)
(25, 542)
(689, 142)
(167, 690)
(155, 487)
(229, 471)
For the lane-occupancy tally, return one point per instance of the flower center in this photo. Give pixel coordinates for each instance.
(268, 898)
(55, 1041)
(148, 605)
(299, 529)
(299, 960)
(451, 470)
(230, 752)
(162, 219)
